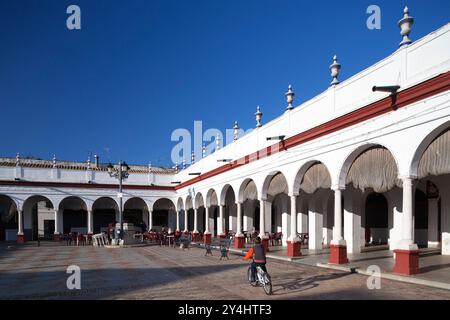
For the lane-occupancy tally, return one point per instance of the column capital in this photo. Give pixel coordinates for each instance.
(337, 187)
(407, 177)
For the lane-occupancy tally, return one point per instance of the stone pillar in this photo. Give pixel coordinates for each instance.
(445, 220)
(195, 235)
(57, 233)
(407, 254)
(207, 234)
(220, 229)
(90, 222)
(315, 229)
(20, 234)
(186, 221)
(262, 224)
(239, 240)
(293, 243)
(150, 219)
(178, 221)
(338, 249)
(433, 222)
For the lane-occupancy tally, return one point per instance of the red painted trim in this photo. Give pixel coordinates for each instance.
(428, 88)
(81, 185)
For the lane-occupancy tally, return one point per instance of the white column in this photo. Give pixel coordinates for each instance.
(293, 235)
(90, 221)
(337, 229)
(150, 219)
(407, 238)
(178, 220)
(262, 218)
(445, 220)
(239, 219)
(220, 229)
(195, 220)
(315, 229)
(20, 222)
(185, 220)
(433, 221)
(57, 231)
(207, 219)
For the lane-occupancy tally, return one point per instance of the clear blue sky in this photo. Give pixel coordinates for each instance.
(137, 70)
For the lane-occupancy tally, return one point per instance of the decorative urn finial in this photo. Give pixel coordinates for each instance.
(290, 98)
(204, 151)
(17, 159)
(89, 162)
(258, 116)
(176, 167)
(54, 161)
(405, 24)
(184, 164)
(192, 157)
(235, 131)
(335, 68)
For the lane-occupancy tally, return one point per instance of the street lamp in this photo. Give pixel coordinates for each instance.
(120, 172)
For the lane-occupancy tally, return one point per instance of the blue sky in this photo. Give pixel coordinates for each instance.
(137, 70)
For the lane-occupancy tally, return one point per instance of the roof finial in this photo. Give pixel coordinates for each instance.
(405, 24)
(335, 68)
(290, 98)
(54, 160)
(89, 162)
(176, 167)
(17, 159)
(258, 115)
(183, 164)
(235, 131)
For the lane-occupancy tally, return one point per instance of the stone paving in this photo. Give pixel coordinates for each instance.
(154, 272)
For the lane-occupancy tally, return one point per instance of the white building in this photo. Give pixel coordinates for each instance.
(351, 167)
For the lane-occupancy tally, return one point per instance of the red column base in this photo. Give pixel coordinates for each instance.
(221, 236)
(20, 238)
(195, 237)
(265, 243)
(239, 242)
(406, 262)
(338, 254)
(207, 238)
(56, 237)
(293, 249)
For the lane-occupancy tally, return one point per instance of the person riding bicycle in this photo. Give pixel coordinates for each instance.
(258, 254)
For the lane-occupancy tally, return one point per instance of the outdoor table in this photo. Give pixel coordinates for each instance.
(171, 237)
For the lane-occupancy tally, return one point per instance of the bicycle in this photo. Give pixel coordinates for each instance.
(262, 278)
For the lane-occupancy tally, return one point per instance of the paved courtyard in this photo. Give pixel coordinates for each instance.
(154, 272)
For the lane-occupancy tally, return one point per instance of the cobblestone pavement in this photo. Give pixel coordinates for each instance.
(155, 272)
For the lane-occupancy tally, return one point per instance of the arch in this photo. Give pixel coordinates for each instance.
(211, 198)
(135, 203)
(104, 213)
(164, 214)
(74, 211)
(180, 204)
(370, 166)
(31, 200)
(199, 200)
(247, 190)
(274, 183)
(312, 176)
(188, 203)
(8, 217)
(224, 192)
(432, 156)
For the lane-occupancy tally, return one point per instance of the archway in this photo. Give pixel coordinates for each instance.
(105, 212)
(248, 196)
(8, 219)
(212, 203)
(74, 215)
(38, 218)
(136, 211)
(228, 200)
(376, 219)
(163, 214)
(189, 211)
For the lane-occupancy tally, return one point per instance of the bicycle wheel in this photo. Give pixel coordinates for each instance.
(267, 284)
(249, 277)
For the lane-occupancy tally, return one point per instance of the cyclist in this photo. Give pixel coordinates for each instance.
(258, 254)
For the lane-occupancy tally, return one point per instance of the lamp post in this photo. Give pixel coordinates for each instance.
(120, 173)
